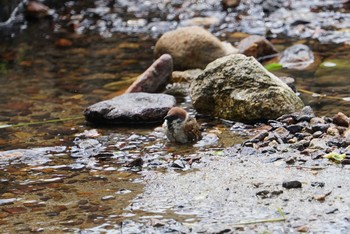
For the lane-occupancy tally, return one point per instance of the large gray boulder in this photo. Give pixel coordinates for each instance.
(131, 108)
(239, 88)
(192, 47)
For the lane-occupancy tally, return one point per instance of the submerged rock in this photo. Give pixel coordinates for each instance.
(239, 88)
(256, 46)
(192, 47)
(297, 57)
(130, 108)
(36, 10)
(155, 78)
(230, 3)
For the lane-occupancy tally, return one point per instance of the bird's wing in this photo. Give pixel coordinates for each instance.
(192, 129)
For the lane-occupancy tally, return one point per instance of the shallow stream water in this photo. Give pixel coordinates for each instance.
(71, 176)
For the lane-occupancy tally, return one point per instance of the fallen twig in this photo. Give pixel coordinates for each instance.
(264, 220)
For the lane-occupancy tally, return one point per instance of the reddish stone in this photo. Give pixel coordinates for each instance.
(256, 46)
(15, 210)
(155, 78)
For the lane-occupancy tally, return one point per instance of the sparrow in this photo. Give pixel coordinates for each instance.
(180, 127)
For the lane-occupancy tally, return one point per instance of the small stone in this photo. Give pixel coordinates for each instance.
(317, 120)
(178, 164)
(33, 204)
(230, 3)
(59, 208)
(7, 201)
(345, 162)
(318, 144)
(341, 119)
(138, 162)
(62, 42)
(3, 214)
(317, 134)
(321, 197)
(294, 128)
(333, 131)
(319, 127)
(302, 229)
(263, 194)
(107, 198)
(256, 46)
(317, 184)
(15, 210)
(290, 160)
(291, 184)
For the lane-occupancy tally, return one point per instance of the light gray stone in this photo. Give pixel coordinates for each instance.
(239, 88)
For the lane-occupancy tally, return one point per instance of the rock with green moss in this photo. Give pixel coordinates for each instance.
(239, 88)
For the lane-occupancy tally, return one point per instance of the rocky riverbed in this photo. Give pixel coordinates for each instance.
(62, 174)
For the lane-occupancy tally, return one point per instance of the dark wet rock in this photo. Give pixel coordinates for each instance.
(297, 57)
(138, 162)
(294, 128)
(341, 119)
(291, 184)
(36, 10)
(282, 133)
(263, 194)
(345, 162)
(155, 78)
(290, 160)
(305, 114)
(238, 88)
(318, 184)
(191, 47)
(230, 3)
(256, 46)
(319, 127)
(131, 108)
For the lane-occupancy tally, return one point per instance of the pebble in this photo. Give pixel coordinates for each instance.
(106, 198)
(291, 184)
(15, 210)
(341, 119)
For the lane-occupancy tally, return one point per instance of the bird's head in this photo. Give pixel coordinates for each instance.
(176, 115)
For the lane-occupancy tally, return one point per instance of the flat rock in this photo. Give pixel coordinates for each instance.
(192, 47)
(239, 88)
(155, 78)
(130, 108)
